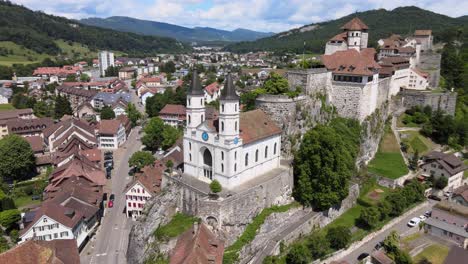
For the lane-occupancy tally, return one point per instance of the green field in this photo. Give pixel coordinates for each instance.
(418, 142)
(4, 107)
(19, 54)
(24, 201)
(75, 48)
(178, 224)
(435, 254)
(388, 161)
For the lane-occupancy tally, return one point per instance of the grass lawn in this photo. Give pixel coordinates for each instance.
(24, 201)
(179, 224)
(401, 124)
(6, 107)
(405, 241)
(418, 142)
(435, 253)
(388, 161)
(19, 54)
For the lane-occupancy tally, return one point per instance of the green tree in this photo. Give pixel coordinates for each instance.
(318, 245)
(140, 159)
(62, 107)
(170, 135)
(133, 114)
(168, 67)
(339, 237)
(397, 202)
(84, 77)
(276, 84)
(112, 71)
(299, 254)
(71, 78)
(370, 216)
(153, 137)
(107, 113)
(17, 159)
(322, 167)
(9, 218)
(385, 209)
(42, 109)
(440, 182)
(169, 165)
(391, 242)
(215, 186)
(413, 162)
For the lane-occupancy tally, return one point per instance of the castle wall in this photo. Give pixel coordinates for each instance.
(312, 81)
(331, 48)
(438, 101)
(346, 97)
(430, 63)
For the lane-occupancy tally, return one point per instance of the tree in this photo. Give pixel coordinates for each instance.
(17, 159)
(133, 114)
(440, 182)
(107, 113)
(62, 107)
(299, 254)
(318, 245)
(170, 135)
(153, 137)
(21, 101)
(322, 167)
(391, 242)
(370, 216)
(339, 237)
(112, 71)
(276, 84)
(140, 159)
(9, 218)
(385, 209)
(42, 109)
(84, 77)
(168, 67)
(215, 186)
(397, 202)
(401, 257)
(413, 163)
(169, 165)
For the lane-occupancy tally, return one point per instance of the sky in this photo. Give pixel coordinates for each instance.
(261, 15)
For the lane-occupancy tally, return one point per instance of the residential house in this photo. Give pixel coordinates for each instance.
(439, 164)
(126, 73)
(418, 79)
(28, 127)
(102, 99)
(85, 111)
(425, 38)
(379, 257)
(59, 134)
(106, 60)
(146, 185)
(57, 73)
(119, 108)
(5, 95)
(147, 94)
(456, 255)
(460, 195)
(37, 144)
(212, 92)
(43, 252)
(7, 115)
(198, 245)
(76, 96)
(111, 134)
(173, 115)
(450, 222)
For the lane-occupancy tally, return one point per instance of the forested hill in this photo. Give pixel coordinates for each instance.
(37, 31)
(382, 23)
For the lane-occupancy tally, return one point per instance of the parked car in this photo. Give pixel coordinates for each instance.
(423, 218)
(110, 204)
(362, 256)
(434, 197)
(109, 164)
(379, 245)
(112, 197)
(108, 174)
(428, 213)
(414, 221)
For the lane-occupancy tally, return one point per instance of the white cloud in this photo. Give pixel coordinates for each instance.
(264, 15)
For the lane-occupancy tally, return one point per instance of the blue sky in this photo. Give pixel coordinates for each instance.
(262, 15)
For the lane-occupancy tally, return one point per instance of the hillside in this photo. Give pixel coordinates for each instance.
(381, 22)
(39, 32)
(153, 28)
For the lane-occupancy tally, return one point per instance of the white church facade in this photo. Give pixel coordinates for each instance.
(234, 147)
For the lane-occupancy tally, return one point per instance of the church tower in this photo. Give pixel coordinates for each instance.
(357, 35)
(229, 111)
(195, 103)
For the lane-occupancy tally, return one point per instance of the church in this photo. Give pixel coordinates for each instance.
(232, 147)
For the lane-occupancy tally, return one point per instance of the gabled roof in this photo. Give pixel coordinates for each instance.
(212, 88)
(198, 245)
(340, 37)
(352, 62)
(229, 91)
(449, 162)
(423, 32)
(173, 109)
(109, 127)
(150, 177)
(59, 251)
(355, 24)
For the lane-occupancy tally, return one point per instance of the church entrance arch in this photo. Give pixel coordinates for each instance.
(207, 164)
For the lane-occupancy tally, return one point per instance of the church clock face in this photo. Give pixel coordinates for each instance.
(204, 136)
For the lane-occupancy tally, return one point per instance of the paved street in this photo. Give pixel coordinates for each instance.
(109, 245)
(401, 227)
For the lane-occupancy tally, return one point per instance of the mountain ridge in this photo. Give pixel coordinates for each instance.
(181, 33)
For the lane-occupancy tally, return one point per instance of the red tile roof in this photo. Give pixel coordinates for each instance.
(198, 245)
(173, 109)
(212, 88)
(150, 177)
(352, 62)
(340, 37)
(36, 142)
(59, 251)
(65, 70)
(109, 127)
(93, 155)
(355, 24)
(423, 32)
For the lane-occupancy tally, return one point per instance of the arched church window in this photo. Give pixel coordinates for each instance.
(256, 155)
(235, 126)
(189, 119)
(190, 157)
(274, 149)
(222, 167)
(202, 118)
(222, 108)
(235, 107)
(222, 155)
(190, 146)
(247, 159)
(222, 126)
(235, 167)
(266, 152)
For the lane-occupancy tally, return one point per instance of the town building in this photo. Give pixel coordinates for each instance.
(146, 185)
(438, 164)
(5, 95)
(106, 60)
(173, 115)
(424, 37)
(126, 73)
(102, 99)
(111, 134)
(28, 127)
(460, 195)
(43, 252)
(56, 74)
(354, 36)
(449, 221)
(7, 115)
(76, 96)
(61, 133)
(233, 148)
(212, 92)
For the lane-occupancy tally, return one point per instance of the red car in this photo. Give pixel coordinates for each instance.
(110, 204)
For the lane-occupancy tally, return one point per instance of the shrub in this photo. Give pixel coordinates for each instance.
(339, 237)
(370, 216)
(215, 186)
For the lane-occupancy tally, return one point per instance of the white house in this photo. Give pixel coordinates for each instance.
(417, 79)
(53, 221)
(232, 148)
(111, 134)
(212, 92)
(144, 187)
(439, 164)
(119, 108)
(354, 36)
(145, 95)
(5, 95)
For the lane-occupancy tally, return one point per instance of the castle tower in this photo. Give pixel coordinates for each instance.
(229, 111)
(195, 103)
(357, 35)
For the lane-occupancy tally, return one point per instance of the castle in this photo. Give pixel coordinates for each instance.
(233, 147)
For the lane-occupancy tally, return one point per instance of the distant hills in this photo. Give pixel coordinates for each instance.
(39, 32)
(381, 22)
(153, 28)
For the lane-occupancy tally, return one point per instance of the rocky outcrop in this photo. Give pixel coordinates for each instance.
(159, 212)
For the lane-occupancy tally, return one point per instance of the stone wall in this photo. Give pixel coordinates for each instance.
(347, 97)
(438, 101)
(430, 63)
(311, 81)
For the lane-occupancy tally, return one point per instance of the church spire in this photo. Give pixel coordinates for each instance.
(195, 86)
(229, 91)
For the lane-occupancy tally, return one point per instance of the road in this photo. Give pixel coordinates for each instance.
(401, 227)
(109, 245)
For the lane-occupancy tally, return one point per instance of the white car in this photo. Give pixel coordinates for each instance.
(423, 218)
(414, 221)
